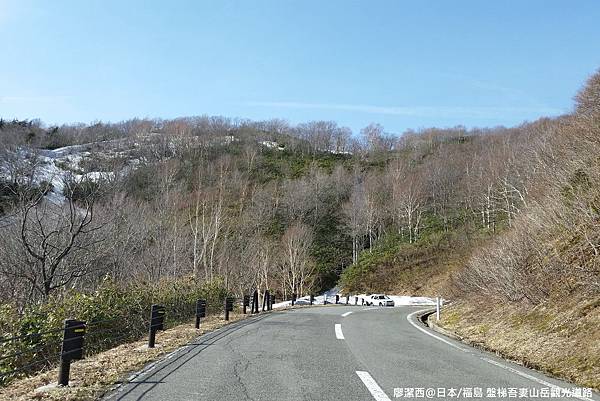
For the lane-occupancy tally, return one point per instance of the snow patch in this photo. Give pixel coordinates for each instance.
(56, 166)
(329, 298)
(272, 145)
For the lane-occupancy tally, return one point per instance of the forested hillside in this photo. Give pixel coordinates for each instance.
(106, 216)
(286, 208)
(248, 204)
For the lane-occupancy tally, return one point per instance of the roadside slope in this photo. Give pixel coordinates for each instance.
(561, 339)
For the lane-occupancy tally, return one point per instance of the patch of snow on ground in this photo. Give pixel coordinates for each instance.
(58, 165)
(329, 297)
(272, 145)
(269, 144)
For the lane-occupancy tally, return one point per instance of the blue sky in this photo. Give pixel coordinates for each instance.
(399, 63)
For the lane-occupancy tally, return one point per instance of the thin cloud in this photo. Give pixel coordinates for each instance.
(31, 99)
(511, 94)
(416, 111)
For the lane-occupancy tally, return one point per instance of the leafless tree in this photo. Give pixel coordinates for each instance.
(55, 242)
(296, 265)
(408, 198)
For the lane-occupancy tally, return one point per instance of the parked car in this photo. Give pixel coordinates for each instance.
(379, 300)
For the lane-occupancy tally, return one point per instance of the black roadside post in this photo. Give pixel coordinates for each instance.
(72, 348)
(264, 300)
(293, 298)
(347, 299)
(272, 301)
(312, 299)
(355, 300)
(157, 320)
(246, 303)
(255, 302)
(200, 311)
(228, 307)
(337, 299)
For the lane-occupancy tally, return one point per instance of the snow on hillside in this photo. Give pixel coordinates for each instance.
(56, 166)
(62, 164)
(272, 145)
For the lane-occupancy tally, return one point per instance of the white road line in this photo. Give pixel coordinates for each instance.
(346, 314)
(372, 386)
(409, 318)
(535, 379)
(513, 370)
(338, 331)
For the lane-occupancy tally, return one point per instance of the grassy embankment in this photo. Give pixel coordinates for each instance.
(561, 338)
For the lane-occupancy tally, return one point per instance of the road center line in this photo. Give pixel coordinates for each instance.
(372, 386)
(346, 314)
(338, 331)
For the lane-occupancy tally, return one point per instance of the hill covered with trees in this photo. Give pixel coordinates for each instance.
(108, 214)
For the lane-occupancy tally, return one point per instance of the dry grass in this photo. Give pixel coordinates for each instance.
(94, 376)
(561, 339)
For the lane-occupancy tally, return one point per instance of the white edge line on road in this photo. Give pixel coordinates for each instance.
(500, 365)
(338, 331)
(372, 386)
(535, 379)
(409, 318)
(346, 314)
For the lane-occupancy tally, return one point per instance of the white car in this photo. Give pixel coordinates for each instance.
(379, 300)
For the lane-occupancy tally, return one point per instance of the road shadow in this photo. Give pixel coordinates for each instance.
(179, 359)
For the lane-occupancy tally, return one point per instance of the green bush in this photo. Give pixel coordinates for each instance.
(114, 315)
(359, 276)
(80, 191)
(142, 182)
(12, 193)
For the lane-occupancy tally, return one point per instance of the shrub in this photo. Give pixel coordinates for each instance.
(114, 314)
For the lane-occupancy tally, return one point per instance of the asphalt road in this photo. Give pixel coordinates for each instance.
(326, 353)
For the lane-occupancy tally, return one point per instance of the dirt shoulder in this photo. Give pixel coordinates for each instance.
(560, 339)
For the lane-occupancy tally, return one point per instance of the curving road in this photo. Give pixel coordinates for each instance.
(337, 353)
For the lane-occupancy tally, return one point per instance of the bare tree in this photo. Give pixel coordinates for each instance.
(376, 139)
(56, 241)
(408, 198)
(354, 212)
(205, 220)
(296, 266)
